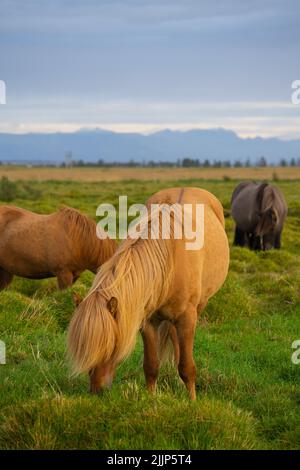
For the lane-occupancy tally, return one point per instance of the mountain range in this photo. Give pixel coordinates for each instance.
(165, 145)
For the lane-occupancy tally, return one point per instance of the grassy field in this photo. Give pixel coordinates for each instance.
(248, 387)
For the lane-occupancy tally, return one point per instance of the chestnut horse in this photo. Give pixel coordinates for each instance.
(62, 244)
(146, 285)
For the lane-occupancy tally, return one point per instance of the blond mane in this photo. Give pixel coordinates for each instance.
(139, 276)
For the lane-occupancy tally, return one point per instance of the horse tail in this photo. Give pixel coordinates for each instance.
(168, 349)
(266, 211)
(92, 334)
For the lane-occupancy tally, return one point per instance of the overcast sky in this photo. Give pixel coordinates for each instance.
(136, 65)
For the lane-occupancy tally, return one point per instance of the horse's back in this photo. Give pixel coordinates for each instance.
(189, 195)
(240, 187)
(15, 221)
(213, 209)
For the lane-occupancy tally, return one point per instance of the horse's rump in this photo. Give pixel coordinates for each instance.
(9, 213)
(189, 195)
(239, 188)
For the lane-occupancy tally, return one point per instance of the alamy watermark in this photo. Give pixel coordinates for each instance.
(296, 94)
(2, 92)
(2, 352)
(296, 354)
(180, 221)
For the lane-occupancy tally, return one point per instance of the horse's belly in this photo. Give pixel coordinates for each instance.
(36, 255)
(246, 223)
(27, 270)
(24, 264)
(37, 275)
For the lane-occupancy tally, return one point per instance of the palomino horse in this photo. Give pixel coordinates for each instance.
(147, 283)
(62, 244)
(259, 211)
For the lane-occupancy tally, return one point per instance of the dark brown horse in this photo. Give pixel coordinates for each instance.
(62, 244)
(259, 211)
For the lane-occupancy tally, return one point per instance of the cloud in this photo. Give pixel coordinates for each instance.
(124, 62)
(66, 15)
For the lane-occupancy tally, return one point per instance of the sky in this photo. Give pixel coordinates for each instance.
(141, 66)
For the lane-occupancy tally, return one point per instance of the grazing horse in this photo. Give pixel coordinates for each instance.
(62, 244)
(259, 211)
(146, 285)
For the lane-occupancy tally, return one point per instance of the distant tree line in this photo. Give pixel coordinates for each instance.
(189, 163)
(186, 162)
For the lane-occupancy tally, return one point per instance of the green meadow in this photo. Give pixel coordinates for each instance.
(248, 389)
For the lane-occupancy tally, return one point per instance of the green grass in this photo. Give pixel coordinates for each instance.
(248, 388)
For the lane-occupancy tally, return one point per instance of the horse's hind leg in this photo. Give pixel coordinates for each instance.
(5, 279)
(239, 237)
(64, 279)
(186, 326)
(151, 360)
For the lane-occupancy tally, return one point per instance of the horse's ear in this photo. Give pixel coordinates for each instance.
(112, 305)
